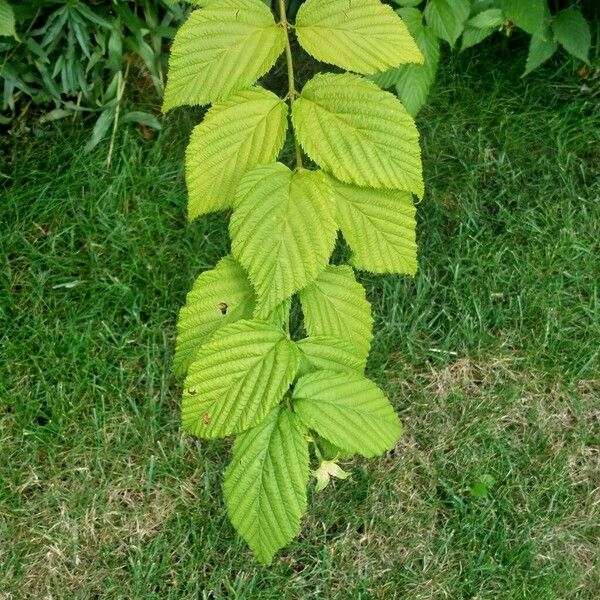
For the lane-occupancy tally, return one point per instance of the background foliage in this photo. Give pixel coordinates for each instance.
(490, 355)
(73, 57)
(466, 23)
(492, 362)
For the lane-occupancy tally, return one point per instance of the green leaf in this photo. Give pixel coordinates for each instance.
(246, 130)
(447, 18)
(219, 297)
(572, 32)
(335, 306)
(101, 127)
(364, 36)
(282, 230)
(529, 15)
(379, 226)
(329, 353)
(473, 36)
(409, 3)
(265, 483)
(493, 17)
(221, 49)
(330, 451)
(482, 487)
(481, 26)
(540, 50)
(348, 410)
(360, 133)
(413, 82)
(237, 377)
(7, 20)
(141, 118)
(478, 6)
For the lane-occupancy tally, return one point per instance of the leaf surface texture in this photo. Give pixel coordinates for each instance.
(329, 353)
(237, 134)
(364, 36)
(335, 306)
(221, 48)
(237, 377)
(265, 483)
(218, 298)
(348, 410)
(282, 230)
(379, 226)
(358, 132)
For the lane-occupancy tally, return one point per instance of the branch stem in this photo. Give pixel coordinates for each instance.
(292, 92)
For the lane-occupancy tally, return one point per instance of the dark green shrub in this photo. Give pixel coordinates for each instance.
(465, 23)
(72, 56)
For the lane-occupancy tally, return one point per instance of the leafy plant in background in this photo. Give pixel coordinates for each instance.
(289, 401)
(469, 22)
(78, 57)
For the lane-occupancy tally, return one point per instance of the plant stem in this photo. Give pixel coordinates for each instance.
(120, 92)
(292, 92)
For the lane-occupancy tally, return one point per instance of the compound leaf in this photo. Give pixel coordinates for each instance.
(379, 226)
(335, 306)
(360, 133)
(236, 378)
(348, 410)
(265, 483)
(572, 32)
(364, 36)
(282, 230)
(237, 134)
(333, 354)
(447, 18)
(219, 297)
(221, 49)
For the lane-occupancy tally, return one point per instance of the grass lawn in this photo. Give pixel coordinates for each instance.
(490, 355)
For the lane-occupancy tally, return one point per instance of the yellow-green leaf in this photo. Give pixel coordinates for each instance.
(413, 82)
(237, 134)
(221, 49)
(236, 378)
(364, 36)
(362, 134)
(219, 297)
(330, 353)
(335, 306)
(379, 226)
(348, 410)
(265, 483)
(282, 230)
